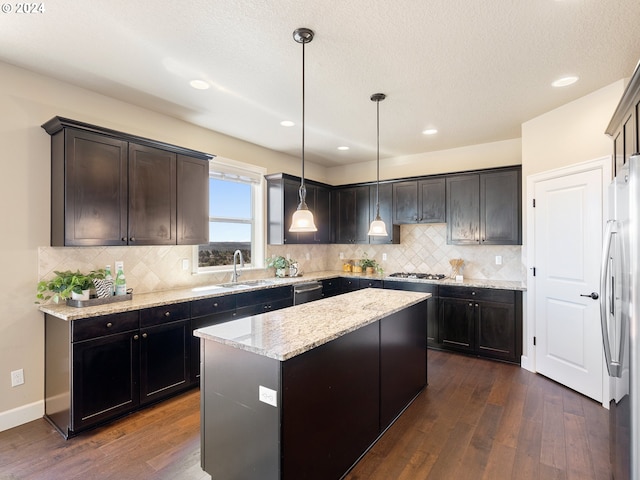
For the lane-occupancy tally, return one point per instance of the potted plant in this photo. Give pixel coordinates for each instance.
(369, 264)
(66, 285)
(279, 263)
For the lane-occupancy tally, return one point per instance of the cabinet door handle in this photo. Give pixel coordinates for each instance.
(109, 325)
(167, 314)
(215, 304)
(124, 239)
(144, 335)
(471, 304)
(136, 337)
(132, 239)
(476, 305)
(473, 293)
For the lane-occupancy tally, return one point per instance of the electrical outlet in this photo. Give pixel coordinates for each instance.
(185, 264)
(268, 396)
(17, 377)
(307, 256)
(341, 256)
(384, 257)
(498, 259)
(288, 256)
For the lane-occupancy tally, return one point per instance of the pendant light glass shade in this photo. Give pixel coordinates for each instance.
(302, 219)
(378, 227)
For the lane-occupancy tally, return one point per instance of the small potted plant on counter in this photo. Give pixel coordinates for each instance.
(369, 265)
(67, 284)
(279, 263)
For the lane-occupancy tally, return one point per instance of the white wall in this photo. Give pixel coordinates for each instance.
(573, 133)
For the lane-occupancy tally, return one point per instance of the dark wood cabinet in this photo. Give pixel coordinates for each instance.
(165, 351)
(352, 215)
(283, 198)
(385, 197)
(484, 208)
(625, 122)
(192, 205)
(111, 188)
(261, 301)
(152, 196)
(419, 201)
(100, 368)
(331, 287)
(482, 321)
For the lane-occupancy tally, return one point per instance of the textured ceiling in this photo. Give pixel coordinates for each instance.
(475, 70)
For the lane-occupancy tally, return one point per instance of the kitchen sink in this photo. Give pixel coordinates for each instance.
(247, 284)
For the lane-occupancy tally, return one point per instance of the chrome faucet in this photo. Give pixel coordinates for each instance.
(236, 274)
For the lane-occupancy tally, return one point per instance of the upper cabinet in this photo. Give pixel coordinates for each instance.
(351, 214)
(419, 201)
(385, 197)
(282, 200)
(485, 208)
(624, 125)
(110, 188)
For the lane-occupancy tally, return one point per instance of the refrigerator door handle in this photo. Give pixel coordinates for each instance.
(614, 367)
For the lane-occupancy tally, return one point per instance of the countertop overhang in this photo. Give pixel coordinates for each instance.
(285, 333)
(167, 297)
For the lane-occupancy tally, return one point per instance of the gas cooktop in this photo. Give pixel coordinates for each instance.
(421, 276)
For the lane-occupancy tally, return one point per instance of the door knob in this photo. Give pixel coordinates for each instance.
(593, 295)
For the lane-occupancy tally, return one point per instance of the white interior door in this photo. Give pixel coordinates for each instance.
(567, 246)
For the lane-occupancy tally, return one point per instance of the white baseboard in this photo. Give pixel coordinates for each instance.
(524, 363)
(21, 415)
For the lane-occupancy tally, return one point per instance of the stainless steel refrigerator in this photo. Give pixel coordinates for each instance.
(620, 316)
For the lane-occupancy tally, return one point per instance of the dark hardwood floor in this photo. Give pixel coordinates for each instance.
(477, 419)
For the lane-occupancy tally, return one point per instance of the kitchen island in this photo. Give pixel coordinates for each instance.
(303, 392)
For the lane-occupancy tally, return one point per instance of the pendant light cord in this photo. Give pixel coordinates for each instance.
(378, 159)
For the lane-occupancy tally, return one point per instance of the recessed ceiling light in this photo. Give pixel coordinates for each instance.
(343, 147)
(287, 123)
(430, 131)
(564, 81)
(199, 84)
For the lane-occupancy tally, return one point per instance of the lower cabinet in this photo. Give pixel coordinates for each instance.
(97, 369)
(482, 321)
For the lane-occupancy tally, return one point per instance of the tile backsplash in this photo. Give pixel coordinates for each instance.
(423, 249)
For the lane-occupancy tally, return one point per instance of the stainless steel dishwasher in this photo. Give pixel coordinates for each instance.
(306, 292)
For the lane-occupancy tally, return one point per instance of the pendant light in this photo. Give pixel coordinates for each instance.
(302, 220)
(377, 227)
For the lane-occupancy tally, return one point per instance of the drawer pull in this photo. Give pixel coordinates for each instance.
(167, 314)
(144, 335)
(136, 337)
(215, 304)
(109, 325)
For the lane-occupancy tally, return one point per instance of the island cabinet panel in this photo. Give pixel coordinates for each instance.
(482, 321)
(111, 188)
(433, 324)
(330, 406)
(403, 360)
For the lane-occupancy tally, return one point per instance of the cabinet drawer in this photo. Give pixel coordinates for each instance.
(369, 283)
(104, 325)
(213, 305)
(164, 314)
(483, 294)
(267, 295)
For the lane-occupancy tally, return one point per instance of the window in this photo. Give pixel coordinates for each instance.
(235, 216)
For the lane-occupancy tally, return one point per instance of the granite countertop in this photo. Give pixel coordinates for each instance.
(283, 334)
(156, 299)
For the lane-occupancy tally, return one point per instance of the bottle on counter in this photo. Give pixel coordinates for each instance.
(109, 280)
(121, 283)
